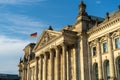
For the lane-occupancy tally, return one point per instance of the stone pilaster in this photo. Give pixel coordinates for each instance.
(100, 75)
(90, 61)
(51, 65)
(112, 67)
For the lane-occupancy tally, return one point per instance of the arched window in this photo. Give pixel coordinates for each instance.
(118, 68)
(95, 71)
(107, 70)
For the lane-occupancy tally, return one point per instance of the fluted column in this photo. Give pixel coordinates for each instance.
(68, 64)
(112, 67)
(45, 67)
(40, 67)
(25, 71)
(75, 62)
(57, 63)
(37, 58)
(100, 75)
(64, 61)
(51, 65)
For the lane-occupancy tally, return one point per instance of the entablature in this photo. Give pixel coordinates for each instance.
(104, 25)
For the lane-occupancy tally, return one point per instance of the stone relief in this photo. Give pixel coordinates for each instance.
(47, 37)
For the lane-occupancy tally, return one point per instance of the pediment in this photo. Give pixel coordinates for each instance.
(46, 37)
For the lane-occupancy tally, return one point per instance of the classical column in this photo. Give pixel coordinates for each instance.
(64, 61)
(57, 63)
(28, 72)
(51, 65)
(75, 62)
(45, 67)
(23, 74)
(84, 69)
(100, 75)
(68, 64)
(25, 71)
(37, 58)
(40, 67)
(112, 67)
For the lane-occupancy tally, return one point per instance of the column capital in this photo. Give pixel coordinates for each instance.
(37, 58)
(46, 55)
(63, 44)
(41, 56)
(56, 47)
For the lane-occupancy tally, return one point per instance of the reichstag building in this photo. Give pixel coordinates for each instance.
(87, 50)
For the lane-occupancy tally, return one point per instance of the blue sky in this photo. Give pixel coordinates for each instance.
(20, 18)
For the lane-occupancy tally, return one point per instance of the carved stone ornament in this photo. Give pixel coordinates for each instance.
(104, 38)
(46, 38)
(115, 34)
(93, 43)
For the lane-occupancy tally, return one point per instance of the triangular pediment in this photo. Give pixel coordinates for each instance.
(46, 37)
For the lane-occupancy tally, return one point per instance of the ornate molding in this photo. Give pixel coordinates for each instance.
(104, 25)
(47, 37)
(93, 43)
(115, 34)
(104, 38)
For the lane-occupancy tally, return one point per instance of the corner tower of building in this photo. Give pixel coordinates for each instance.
(82, 20)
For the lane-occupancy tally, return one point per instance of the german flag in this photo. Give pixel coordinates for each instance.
(33, 35)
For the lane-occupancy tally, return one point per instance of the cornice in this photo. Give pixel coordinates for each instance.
(104, 25)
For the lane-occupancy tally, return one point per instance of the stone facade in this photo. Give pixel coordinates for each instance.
(86, 50)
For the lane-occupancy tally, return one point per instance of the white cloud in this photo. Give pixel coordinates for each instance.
(11, 45)
(19, 2)
(10, 52)
(98, 2)
(11, 48)
(21, 24)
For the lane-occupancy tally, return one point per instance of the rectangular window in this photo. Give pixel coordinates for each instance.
(105, 47)
(117, 43)
(94, 51)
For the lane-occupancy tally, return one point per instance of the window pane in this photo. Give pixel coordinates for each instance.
(96, 71)
(117, 43)
(105, 48)
(94, 51)
(107, 70)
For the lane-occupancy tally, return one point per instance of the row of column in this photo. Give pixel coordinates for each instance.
(59, 69)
